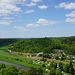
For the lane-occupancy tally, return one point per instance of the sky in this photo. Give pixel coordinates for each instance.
(37, 18)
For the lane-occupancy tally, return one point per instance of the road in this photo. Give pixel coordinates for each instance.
(17, 65)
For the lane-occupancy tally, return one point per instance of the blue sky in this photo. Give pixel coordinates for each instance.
(37, 18)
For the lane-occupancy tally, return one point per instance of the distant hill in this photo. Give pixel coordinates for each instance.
(7, 41)
(46, 45)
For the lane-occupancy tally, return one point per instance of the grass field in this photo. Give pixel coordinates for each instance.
(18, 59)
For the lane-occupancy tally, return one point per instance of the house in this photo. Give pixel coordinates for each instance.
(33, 55)
(10, 51)
(40, 53)
(53, 55)
(36, 54)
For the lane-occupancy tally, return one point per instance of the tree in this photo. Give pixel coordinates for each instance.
(66, 68)
(2, 71)
(71, 68)
(2, 66)
(30, 71)
(10, 70)
(61, 66)
(39, 71)
(21, 72)
(52, 71)
(58, 72)
(57, 57)
(53, 64)
(62, 58)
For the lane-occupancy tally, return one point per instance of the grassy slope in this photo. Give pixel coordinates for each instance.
(5, 56)
(11, 58)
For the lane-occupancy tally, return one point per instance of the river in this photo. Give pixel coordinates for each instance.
(16, 65)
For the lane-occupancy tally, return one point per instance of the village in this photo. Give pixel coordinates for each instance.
(58, 55)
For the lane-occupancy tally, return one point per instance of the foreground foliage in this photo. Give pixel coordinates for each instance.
(53, 70)
(12, 70)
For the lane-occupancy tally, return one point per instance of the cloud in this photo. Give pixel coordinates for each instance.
(35, 1)
(5, 22)
(42, 22)
(13, 1)
(71, 20)
(29, 11)
(43, 7)
(8, 18)
(71, 17)
(32, 25)
(8, 7)
(31, 4)
(66, 5)
(72, 14)
(21, 28)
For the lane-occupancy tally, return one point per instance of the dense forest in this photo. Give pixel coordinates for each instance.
(46, 45)
(7, 41)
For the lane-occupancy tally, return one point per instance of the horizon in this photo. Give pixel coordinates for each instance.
(37, 37)
(37, 18)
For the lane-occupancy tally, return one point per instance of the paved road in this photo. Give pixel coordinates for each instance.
(17, 65)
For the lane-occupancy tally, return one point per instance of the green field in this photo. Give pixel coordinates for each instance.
(18, 59)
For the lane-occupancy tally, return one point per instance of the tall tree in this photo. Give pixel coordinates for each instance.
(71, 68)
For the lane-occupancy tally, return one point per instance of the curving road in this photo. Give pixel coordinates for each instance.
(17, 65)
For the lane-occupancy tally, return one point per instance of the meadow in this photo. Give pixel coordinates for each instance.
(17, 59)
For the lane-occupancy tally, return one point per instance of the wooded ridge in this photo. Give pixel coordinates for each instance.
(46, 45)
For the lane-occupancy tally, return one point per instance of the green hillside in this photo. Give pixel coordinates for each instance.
(46, 45)
(7, 41)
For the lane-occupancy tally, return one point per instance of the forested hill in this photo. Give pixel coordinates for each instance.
(46, 45)
(7, 41)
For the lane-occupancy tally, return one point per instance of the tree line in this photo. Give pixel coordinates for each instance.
(46, 45)
(7, 41)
